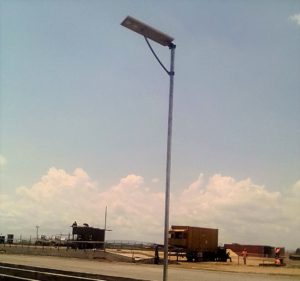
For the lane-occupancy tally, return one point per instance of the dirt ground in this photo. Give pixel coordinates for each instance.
(253, 265)
(292, 268)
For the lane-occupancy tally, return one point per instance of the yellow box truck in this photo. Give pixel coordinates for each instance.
(197, 243)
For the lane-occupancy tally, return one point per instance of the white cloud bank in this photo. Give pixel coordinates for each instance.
(242, 211)
(2, 161)
(295, 18)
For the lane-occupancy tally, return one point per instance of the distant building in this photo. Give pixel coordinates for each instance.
(254, 250)
(86, 237)
(10, 238)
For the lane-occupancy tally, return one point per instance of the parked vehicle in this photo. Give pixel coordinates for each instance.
(296, 256)
(43, 241)
(196, 243)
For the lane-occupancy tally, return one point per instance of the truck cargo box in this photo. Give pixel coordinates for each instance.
(194, 238)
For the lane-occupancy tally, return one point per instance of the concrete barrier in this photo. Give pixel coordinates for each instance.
(41, 275)
(5, 277)
(47, 274)
(63, 252)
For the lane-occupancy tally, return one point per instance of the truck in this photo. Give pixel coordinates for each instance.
(43, 241)
(196, 243)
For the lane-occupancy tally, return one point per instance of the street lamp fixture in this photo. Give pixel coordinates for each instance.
(165, 40)
(147, 31)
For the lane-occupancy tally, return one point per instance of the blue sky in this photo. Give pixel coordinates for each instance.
(78, 90)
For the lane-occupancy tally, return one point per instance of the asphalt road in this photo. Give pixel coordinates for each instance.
(137, 271)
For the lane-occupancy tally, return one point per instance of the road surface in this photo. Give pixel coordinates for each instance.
(138, 271)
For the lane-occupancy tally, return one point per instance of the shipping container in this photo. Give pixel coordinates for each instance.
(197, 243)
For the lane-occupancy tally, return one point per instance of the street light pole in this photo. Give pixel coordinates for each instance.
(168, 167)
(164, 40)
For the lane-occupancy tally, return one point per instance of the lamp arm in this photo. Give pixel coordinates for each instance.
(165, 69)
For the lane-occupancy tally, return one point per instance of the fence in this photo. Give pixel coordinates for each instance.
(66, 248)
(129, 245)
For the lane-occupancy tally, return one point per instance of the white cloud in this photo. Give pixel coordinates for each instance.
(155, 180)
(295, 18)
(238, 209)
(3, 161)
(242, 211)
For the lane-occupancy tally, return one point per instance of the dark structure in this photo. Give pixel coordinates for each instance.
(86, 237)
(254, 250)
(10, 238)
(296, 256)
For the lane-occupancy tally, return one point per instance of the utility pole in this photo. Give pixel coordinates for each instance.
(37, 232)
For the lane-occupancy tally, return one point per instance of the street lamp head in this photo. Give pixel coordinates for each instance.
(147, 31)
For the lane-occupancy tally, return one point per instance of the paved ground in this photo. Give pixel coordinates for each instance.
(140, 271)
